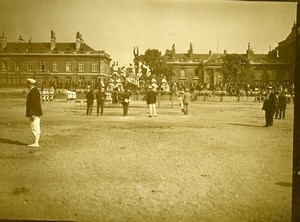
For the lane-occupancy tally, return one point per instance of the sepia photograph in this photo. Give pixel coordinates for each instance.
(149, 110)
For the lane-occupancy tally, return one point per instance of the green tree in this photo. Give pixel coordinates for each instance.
(236, 68)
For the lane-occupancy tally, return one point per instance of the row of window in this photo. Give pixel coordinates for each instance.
(68, 66)
(182, 73)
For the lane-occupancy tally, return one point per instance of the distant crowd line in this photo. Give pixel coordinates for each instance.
(206, 91)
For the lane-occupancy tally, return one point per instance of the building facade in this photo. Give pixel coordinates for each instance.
(191, 68)
(61, 65)
(287, 51)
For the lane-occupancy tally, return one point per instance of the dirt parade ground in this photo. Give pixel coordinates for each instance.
(216, 164)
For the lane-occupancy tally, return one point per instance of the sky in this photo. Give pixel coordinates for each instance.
(117, 26)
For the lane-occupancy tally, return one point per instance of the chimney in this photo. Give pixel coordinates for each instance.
(173, 51)
(52, 40)
(190, 52)
(79, 40)
(3, 41)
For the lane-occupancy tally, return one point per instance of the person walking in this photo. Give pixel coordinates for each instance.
(90, 102)
(186, 101)
(269, 106)
(282, 101)
(151, 101)
(100, 96)
(125, 102)
(34, 110)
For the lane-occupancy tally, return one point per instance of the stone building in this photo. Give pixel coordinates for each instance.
(287, 51)
(193, 68)
(58, 64)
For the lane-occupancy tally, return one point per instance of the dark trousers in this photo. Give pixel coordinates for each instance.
(125, 109)
(277, 112)
(185, 108)
(89, 109)
(100, 105)
(281, 113)
(269, 114)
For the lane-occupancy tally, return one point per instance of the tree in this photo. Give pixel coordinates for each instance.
(236, 68)
(158, 66)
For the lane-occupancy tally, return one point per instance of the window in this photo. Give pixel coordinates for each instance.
(4, 66)
(182, 73)
(196, 72)
(105, 68)
(81, 67)
(29, 66)
(42, 66)
(55, 66)
(94, 66)
(17, 66)
(101, 66)
(68, 67)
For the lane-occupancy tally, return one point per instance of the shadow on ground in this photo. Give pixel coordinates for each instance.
(239, 124)
(284, 184)
(8, 141)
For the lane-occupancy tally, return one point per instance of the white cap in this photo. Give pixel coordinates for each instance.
(32, 81)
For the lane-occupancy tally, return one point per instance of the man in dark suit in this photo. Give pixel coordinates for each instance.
(90, 102)
(100, 96)
(126, 99)
(34, 110)
(269, 106)
(282, 101)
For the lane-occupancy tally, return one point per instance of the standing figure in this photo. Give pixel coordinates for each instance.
(34, 110)
(282, 101)
(114, 96)
(43, 94)
(90, 102)
(100, 96)
(151, 101)
(186, 101)
(126, 99)
(180, 97)
(269, 106)
(46, 95)
(277, 93)
(51, 94)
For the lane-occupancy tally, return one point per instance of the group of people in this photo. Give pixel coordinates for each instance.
(47, 95)
(100, 96)
(274, 105)
(184, 99)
